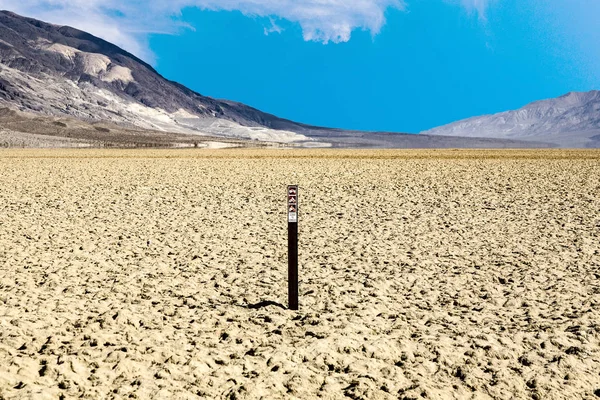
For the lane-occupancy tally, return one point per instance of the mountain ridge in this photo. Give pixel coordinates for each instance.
(77, 55)
(570, 120)
(60, 71)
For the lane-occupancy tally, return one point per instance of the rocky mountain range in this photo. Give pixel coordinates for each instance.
(572, 120)
(76, 81)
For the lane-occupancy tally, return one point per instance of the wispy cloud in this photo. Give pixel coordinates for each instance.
(478, 6)
(128, 22)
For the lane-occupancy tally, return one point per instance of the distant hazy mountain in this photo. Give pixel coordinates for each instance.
(62, 72)
(572, 120)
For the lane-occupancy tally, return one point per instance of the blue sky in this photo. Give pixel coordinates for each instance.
(369, 65)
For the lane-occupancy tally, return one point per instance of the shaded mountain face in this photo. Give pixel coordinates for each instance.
(59, 71)
(572, 120)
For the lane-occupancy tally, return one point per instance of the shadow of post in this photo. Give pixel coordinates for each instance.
(265, 303)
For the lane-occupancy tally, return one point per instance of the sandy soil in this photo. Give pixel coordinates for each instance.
(436, 275)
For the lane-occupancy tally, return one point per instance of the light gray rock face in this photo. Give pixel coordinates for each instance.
(572, 120)
(60, 71)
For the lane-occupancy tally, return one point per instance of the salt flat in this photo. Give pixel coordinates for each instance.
(424, 274)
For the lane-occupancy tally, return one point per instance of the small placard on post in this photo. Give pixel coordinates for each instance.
(292, 211)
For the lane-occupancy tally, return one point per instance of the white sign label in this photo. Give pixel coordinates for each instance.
(292, 203)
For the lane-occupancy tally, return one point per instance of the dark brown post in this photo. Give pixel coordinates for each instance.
(292, 206)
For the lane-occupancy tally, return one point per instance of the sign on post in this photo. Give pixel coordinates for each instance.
(292, 212)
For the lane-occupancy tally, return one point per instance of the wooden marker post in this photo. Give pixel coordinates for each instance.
(292, 207)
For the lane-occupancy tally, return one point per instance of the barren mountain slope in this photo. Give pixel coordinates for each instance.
(572, 120)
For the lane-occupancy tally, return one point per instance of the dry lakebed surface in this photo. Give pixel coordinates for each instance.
(423, 274)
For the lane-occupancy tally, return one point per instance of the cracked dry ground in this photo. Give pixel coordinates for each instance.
(424, 274)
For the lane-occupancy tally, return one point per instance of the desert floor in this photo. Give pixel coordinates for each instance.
(424, 274)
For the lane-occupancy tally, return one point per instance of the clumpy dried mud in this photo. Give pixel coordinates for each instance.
(424, 274)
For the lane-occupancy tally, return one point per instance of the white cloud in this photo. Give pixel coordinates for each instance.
(128, 22)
